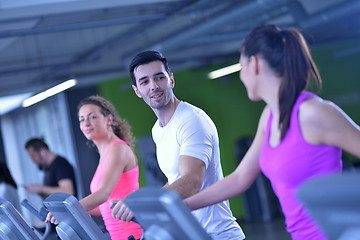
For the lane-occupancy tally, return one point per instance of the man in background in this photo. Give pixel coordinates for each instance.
(58, 173)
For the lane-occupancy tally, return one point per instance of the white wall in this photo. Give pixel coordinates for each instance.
(48, 119)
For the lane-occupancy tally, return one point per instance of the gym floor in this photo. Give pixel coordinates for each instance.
(265, 230)
(254, 230)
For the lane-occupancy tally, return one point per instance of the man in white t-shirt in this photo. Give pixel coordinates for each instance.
(187, 144)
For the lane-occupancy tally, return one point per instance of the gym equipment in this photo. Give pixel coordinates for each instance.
(163, 215)
(41, 215)
(334, 202)
(75, 223)
(13, 226)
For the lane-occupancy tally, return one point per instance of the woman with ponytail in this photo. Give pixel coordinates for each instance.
(117, 173)
(300, 136)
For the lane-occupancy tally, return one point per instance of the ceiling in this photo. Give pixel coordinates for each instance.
(45, 42)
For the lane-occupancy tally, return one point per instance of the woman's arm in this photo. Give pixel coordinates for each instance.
(322, 122)
(118, 158)
(95, 211)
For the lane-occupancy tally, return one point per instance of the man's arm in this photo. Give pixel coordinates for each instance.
(192, 172)
(65, 186)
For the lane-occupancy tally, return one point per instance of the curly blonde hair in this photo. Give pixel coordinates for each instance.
(120, 126)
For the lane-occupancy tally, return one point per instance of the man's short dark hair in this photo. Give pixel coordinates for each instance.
(147, 57)
(36, 144)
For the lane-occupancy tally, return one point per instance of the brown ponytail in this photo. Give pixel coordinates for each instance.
(287, 53)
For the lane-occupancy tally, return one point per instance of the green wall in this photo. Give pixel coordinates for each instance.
(225, 100)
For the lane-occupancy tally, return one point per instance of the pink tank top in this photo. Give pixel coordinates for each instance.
(289, 165)
(127, 183)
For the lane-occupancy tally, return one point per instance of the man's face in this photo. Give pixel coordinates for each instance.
(154, 84)
(35, 156)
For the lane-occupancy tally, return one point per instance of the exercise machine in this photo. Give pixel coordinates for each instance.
(13, 226)
(334, 202)
(163, 215)
(75, 223)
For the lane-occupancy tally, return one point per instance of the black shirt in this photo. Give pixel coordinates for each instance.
(58, 170)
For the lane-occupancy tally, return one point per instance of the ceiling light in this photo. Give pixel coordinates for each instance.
(10, 103)
(48, 93)
(224, 71)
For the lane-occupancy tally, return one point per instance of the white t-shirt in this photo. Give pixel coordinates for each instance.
(191, 132)
(9, 193)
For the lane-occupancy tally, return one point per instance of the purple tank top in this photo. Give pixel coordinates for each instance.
(290, 164)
